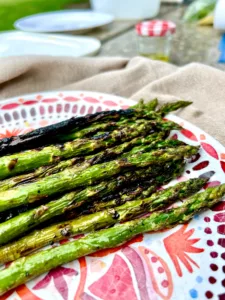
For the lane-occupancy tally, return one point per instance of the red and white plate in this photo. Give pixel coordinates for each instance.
(186, 262)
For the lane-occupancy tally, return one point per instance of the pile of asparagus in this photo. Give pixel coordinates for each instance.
(97, 175)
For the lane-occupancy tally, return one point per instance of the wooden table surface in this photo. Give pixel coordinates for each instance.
(191, 43)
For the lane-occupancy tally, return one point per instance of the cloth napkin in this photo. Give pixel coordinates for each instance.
(134, 78)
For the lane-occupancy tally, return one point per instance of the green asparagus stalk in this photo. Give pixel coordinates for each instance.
(100, 157)
(89, 131)
(169, 107)
(44, 136)
(32, 218)
(93, 128)
(114, 152)
(74, 177)
(138, 193)
(99, 220)
(151, 105)
(24, 222)
(140, 189)
(26, 268)
(66, 205)
(156, 144)
(90, 160)
(154, 141)
(38, 173)
(49, 134)
(26, 161)
(168, 173)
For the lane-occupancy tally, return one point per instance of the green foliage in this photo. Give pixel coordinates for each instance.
(12, 10)
(199, 9)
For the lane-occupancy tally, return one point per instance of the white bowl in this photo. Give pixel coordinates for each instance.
(127, 9)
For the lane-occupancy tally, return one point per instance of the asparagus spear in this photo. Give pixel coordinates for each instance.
(43, 136)
(26, 268)
(156, 144)
(38, 173)
(89, 131)
(140, 189)
(141, 176)
(114, 152)
(93, 128)
(99, 157)
(169, 107)
(169, 172)
(93, 159)
(26, 161)
(140, 192)
(76, 177)
(70, 201)
(151, 105)
(49, 134)
(154, 140)
(99, 220)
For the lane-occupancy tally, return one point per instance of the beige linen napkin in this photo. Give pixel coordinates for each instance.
(135, 78)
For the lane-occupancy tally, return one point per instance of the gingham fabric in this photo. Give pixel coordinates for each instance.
(155, 28)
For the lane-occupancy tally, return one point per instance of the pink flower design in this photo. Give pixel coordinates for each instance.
(116, 283)
(9, 133)
(210, 150)
(178, 245)
(201, 165)
(57, 275)
(188, 134)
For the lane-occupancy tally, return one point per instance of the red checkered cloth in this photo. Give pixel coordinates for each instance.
(155, 28)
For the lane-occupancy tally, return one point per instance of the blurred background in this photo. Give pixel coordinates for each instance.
(199, 34)
(11, 10)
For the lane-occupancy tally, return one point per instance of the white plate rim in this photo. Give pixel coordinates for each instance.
(71, 38)
(18, 26)
(173, 116)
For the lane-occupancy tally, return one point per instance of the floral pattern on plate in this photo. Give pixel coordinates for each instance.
(186, 262)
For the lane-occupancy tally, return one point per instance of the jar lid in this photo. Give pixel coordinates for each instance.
(155, 28)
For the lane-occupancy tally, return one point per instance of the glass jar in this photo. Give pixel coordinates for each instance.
(154, 38)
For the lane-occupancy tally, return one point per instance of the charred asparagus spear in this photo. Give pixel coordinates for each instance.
(11, 165)
(102, 156)
(32, 218)
(76, 177)
(26, 268)
(44, 136)
(49, 134)
(117, 151)
(94, 128)
(99, 220)
(168, 173)
(46, 171)
(101, 127)
(154, 141)
(99, 157)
